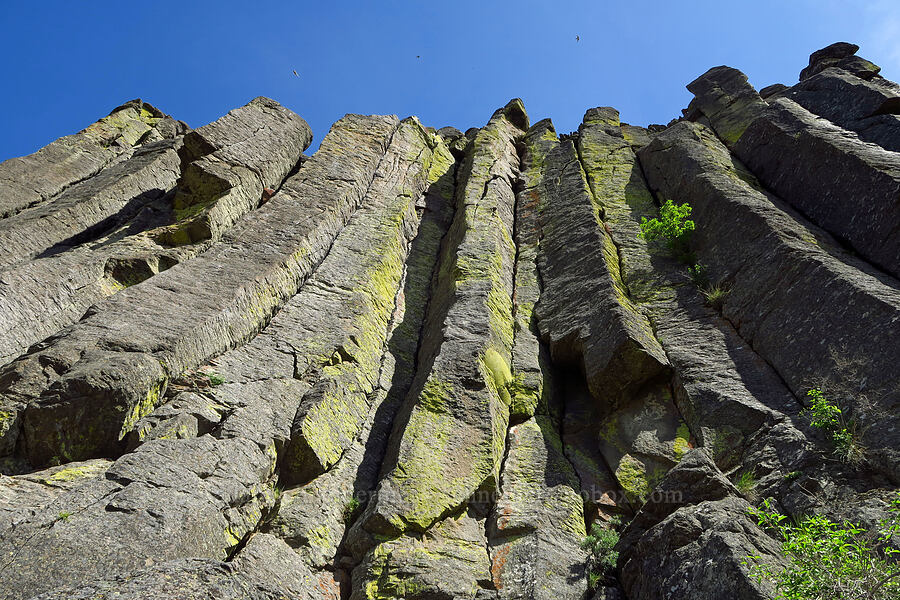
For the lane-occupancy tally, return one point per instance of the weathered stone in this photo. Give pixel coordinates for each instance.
(376, 245)
(117, 360)
(454, 425)
(451, 561)
(30, 180)
(22, 495)
(538, 522)
(810, 310)
(695, 540)
(529, 361)
(169, 499)
(772, 90)
(841, 56)
(230, 163)
(185, 579)
(113, 195)
(868, 108)
(588, 319)
(728, 100)
(846, 187)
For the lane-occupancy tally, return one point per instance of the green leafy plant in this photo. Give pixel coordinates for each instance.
(746, 484)
(698, 275)
(828, 560)
(841, 432)
(600, 543)
(673, 229)
(350, 509)
(64, 516)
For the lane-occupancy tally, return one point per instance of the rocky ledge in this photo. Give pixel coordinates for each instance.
(428, 364)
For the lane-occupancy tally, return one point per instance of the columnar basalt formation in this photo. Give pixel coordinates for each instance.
(427, 364)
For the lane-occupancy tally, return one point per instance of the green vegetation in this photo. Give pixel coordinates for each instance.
(600, 543)
(715, 295)
(791, 476)
(746, 484)
(215, 379)
(672, 229)
(64, 516)
(350, 509)
(831, 560)
(841, 432)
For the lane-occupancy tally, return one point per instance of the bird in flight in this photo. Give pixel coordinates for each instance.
(577, 38)
(295, 73)
(417, 56)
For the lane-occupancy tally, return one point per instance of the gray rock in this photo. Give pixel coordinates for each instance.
(538, 522)
(693, 538)
(101, 393)
(29, 180)
(810, 310)
(588, 321)
(841, 184)
(228, 165)
(455, 421)
(841, 56)
(866, 107)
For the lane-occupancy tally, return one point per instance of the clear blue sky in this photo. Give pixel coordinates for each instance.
(68, 63)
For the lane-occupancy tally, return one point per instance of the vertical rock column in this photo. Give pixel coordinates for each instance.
(449, 440)
(819, 316)
(203, 496)
(110, 368)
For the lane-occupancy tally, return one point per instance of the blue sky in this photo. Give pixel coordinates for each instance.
(70, 62)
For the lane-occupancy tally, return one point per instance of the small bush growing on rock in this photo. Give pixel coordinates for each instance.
(832, 560)
(602, 561)
(215, 379)
(828, 417)
(673, 229)
(350, 509)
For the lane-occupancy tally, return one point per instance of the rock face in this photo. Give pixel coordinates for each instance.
(427, 364)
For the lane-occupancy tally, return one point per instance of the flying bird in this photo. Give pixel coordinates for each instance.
(417, 56)
(577, 38)
(295, 73)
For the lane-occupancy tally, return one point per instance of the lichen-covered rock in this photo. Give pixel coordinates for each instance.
(451, 561)
(537, 523)
(110, 369)
(426, 364)
(588, 321)
(455, 423)
(29, 180)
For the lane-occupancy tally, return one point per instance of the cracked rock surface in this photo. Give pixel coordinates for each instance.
(422, 363)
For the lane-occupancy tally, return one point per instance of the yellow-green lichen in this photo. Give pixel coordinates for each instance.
(632, 476)
(143, 408)
(682, 441)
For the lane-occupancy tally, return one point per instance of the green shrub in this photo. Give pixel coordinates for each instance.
(828, 560)
(350, 509)
(215, 379)
(828, 416)
(602, 560)
(672, 229)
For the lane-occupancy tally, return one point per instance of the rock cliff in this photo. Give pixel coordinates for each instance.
(424, 363)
